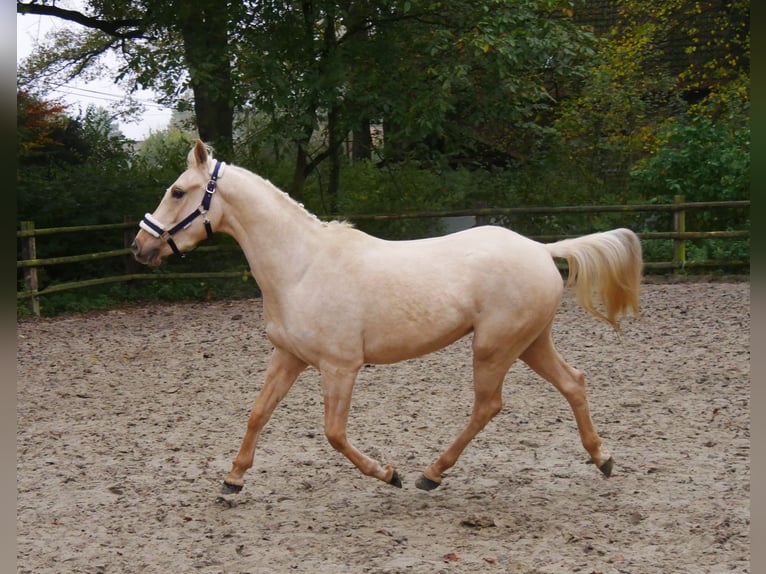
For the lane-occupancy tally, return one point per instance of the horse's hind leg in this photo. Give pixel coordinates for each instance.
(488, 372)
(280, 376)
(543, 358)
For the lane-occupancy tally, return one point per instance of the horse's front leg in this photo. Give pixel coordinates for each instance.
(337, 387)
(280, 376)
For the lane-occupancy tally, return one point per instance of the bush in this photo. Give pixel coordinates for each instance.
(703, 161)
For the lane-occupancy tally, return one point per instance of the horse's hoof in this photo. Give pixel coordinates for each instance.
(227, 488)
(395, 480)
(607, 467)
(425, 483)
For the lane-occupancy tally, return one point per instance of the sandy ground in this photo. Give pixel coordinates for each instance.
(128, 420)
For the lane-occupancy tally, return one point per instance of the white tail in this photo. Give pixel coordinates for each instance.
(608, 263)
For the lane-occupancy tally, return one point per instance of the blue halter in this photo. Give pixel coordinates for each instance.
(155, 228)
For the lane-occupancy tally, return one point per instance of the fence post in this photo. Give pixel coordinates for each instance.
(679, 226)
(29, 251)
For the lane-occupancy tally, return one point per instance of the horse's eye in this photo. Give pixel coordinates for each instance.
(177, 193)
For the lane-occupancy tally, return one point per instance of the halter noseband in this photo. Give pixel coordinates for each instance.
(155, 228)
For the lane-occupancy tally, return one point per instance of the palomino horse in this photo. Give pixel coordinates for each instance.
(336, 298)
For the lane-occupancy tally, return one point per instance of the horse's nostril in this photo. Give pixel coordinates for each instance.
(134, 247)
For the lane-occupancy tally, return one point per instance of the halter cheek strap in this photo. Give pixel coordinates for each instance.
(153, 227)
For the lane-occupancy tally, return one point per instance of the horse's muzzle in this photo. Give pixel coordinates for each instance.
(150, 257)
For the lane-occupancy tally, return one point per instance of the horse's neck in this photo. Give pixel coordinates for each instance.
(276, 234)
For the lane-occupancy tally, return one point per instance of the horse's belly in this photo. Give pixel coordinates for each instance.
(405, 333)
(400, 347)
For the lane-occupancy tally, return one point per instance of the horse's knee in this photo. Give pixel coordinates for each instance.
(487, 411)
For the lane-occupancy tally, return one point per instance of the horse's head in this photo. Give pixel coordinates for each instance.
(186, 214)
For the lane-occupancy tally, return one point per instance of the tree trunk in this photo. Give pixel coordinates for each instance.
(215, 121)
(361, 146)
(205, 36)
(335, 141)
(299, 172)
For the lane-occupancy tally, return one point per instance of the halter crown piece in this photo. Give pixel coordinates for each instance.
(155, 228)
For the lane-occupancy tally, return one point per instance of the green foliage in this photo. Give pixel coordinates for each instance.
(40, 126)
(447, 78)
(702, 160)
(611, 122)
(86, 181)
(370, 189)
(67, 186)
(160, 159)
(658, 62)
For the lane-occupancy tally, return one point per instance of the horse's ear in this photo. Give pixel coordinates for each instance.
(199, 154)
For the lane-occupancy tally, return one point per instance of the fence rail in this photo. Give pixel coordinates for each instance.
(29, 262)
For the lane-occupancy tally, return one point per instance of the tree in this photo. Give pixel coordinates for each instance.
(440, 76)
(162, 45)
(72, 170)
(660, 64)
(39, 125)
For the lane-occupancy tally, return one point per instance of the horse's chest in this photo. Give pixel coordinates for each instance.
(317, 342)
(276, 334)
(298, 342)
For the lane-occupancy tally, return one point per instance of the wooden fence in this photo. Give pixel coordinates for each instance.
(29, 262)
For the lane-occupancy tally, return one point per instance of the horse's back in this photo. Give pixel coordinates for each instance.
(485, 257)
(462, 266)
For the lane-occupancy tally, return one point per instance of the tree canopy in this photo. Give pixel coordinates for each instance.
(452, 82)
(438, 74)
